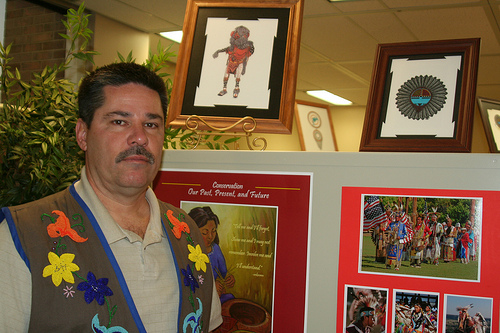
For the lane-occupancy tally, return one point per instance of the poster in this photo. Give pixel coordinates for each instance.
(432, 250)
(256, 228)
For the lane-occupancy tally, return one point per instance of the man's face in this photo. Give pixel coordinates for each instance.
(368, 321)
(124, 143)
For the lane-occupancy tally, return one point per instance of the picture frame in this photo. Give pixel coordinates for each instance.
(422, 97)
(266, 87)
(490, 115)
(262, 234)
(315, 127)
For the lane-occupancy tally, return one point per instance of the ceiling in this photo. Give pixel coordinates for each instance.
(339, 39)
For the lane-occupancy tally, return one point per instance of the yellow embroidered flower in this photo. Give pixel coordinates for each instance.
(199, 258)
(61, 268)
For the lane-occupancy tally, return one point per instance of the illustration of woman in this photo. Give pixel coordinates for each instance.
(208, 222)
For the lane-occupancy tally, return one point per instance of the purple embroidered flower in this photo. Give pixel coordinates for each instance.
(95, 289)
(189, 279)
(68, 291)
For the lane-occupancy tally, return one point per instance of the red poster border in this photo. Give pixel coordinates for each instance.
(291, 193)
(351, 215)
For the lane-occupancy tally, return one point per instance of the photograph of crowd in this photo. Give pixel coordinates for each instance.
(467, 314)
(365, 309)
(422, 236)
(415, 312)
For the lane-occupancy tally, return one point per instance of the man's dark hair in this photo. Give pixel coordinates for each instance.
(91, 92)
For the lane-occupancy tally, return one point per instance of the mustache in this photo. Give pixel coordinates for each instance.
(134, 151)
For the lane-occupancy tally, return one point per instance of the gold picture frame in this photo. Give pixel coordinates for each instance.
(315, 127)
(266, 90)
(490, 115)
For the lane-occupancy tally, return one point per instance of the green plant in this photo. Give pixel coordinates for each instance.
(39, 154)
(38, 151)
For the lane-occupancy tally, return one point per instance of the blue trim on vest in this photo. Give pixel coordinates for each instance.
(177, 272)
(7, 215)
(112, 259)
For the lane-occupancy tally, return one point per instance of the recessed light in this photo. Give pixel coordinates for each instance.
(175, 36)
(328, 97)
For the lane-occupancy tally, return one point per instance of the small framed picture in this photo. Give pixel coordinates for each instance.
(238, 58)
(422, 97)
(315, 127)
(490, 114)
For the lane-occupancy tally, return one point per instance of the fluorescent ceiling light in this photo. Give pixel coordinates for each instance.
(328, 97)
(175, 36)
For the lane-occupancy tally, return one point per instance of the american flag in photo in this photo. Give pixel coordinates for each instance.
(409, 228)
(374, 213)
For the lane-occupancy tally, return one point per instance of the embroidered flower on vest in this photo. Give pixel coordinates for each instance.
(189, 279)
(177, 226)
(61, 268)
(199, 258)
(97, 328)
(95, 289)
(200, 261)
(61, 227)
(193, 319)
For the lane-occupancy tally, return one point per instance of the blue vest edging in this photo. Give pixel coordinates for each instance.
(6, 214)
(111, 257)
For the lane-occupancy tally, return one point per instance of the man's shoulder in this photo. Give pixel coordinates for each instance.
(43, 202)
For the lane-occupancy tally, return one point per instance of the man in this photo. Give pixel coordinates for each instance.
(419, 242)
(418, 319)
(397, 234)
(105, 255)
(465, 242)
(449, 240)
(364, 323)
(472, 247)
(436, 233)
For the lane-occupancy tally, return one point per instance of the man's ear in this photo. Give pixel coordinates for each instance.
(81, 134)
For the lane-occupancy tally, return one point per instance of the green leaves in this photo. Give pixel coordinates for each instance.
(39, 154)
(38, 150)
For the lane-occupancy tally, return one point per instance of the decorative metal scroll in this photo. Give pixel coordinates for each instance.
(248, 124)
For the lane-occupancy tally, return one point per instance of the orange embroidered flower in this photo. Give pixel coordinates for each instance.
(62, 228)
(177, 226)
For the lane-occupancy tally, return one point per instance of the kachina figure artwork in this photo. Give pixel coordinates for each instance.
(239, 51)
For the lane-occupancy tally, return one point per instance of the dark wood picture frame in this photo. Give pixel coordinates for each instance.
(458, 98)
(490, 115)
(280, 55)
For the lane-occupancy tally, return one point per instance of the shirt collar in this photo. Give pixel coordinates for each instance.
(111, 230)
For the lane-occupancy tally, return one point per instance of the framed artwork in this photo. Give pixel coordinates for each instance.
(237, 59)
(315, 127)
(260, 239)
(490, 114)
(399, 239)
(422, 97)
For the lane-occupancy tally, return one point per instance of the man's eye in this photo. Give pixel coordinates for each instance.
(151, 125)
(118, 122)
